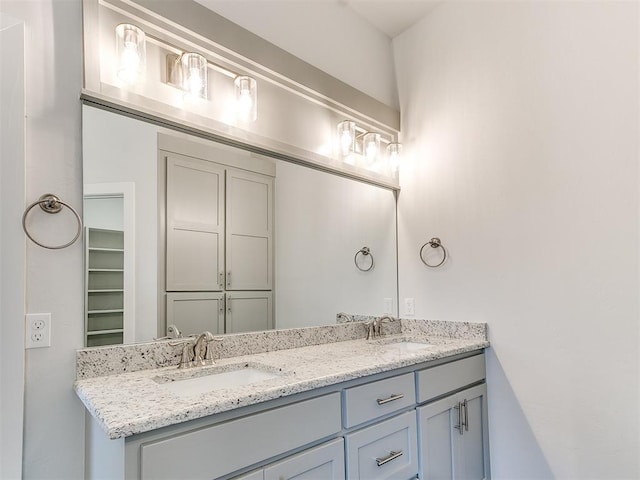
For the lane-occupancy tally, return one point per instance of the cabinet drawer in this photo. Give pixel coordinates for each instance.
(437, 381)
(385, 450)
(373, 400)
(325, 462)
(223, 448)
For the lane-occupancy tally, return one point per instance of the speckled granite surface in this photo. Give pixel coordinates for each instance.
(128, 403)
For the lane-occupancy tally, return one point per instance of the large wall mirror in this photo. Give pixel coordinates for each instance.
(280, 239)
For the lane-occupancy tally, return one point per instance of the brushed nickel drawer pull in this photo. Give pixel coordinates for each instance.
(392, 456)
(382, 401)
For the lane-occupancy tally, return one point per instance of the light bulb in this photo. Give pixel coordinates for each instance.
(371, 144)
(194, 74)
(394, 150)
(346, 139)
(245, 102)
(246, 90)
(131, 52)
(194, 81)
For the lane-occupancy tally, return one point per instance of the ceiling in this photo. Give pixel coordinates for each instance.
(392, 17)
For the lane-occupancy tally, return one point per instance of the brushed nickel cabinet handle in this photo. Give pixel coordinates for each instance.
(392, 398)
(229, 278)
(221, 279)
(459, 425)
(392, 456)
(465, 420)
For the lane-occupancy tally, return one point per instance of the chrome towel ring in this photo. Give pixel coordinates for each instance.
(50, 203)
(365, 252)
(434, 243)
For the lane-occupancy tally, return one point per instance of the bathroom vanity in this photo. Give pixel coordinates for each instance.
(404, 405)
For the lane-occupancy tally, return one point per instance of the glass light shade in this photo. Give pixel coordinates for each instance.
(131, 53)
(347, 137)
(394, 150)
(371, 147)
(194, 74)
(246, 98)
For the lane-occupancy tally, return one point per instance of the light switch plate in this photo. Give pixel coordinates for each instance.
(409, 307)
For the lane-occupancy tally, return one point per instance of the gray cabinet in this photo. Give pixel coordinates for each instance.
(319, 435)
(453, 435)
(219, 247)
(386, 450)
(195, 224)
(249, 230)
(220, 312)
(196, 312)
(325, 462)
(225, 447)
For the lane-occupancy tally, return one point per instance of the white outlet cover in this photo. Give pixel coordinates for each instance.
(37, 331)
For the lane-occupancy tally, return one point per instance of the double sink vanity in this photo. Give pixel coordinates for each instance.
(318, 402)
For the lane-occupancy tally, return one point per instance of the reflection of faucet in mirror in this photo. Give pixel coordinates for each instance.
(172, 332)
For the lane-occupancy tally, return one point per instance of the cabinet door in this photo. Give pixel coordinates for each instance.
(196, 312)
(453, 437)
(249, 312)
(436, 435)
(195, 224)
(472, 461)
(249, 231)
(325, 462)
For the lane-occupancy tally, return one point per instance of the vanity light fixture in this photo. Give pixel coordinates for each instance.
(193, 71)
(131, 53)
(394, 150)
(246, 89)
(347, 140)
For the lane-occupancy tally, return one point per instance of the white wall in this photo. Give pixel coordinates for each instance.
(520, 126)
(327, 34)
(54, 417)
(12, 245)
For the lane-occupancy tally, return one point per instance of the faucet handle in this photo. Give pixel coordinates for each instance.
(187, 356)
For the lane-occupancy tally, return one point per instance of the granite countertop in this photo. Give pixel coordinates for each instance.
(125, 404)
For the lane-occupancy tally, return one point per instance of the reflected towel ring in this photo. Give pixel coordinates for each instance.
(434, 243)
(50, 203)
(365, 251)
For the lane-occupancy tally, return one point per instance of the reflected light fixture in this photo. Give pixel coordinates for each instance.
(394, 150)
(131, 53)
(347, 138)
(246, 89)
(193, 69)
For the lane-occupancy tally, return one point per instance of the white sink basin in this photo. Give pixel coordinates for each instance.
(215, 379)
(406, 346)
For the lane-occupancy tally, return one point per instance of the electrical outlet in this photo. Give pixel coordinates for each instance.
(409, 307)
(388, 306)
(38, 330)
